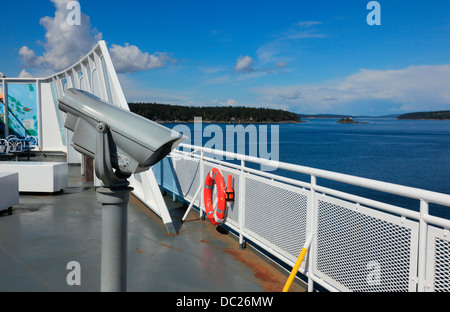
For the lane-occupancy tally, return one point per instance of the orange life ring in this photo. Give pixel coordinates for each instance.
(215, 216)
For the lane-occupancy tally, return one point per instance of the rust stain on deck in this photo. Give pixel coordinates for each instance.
(270, 278)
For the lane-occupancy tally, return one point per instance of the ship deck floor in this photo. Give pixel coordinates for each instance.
(47, 231)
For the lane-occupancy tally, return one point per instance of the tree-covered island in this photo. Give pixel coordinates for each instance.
(348, 120)
(437, 115)
(165, 113)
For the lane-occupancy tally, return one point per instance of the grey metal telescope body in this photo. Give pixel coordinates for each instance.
(121, 140)
(136, 143)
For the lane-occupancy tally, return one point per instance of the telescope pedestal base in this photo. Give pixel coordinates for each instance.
(114, 237)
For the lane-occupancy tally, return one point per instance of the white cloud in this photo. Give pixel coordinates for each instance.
(244, 64)
(304, 29)
(301, 34)
(220, 79)
(414, 84)
(291, 95)
(274, 52)
(25, 74)
(65, 43)
(30, 58)
(129, 59)
(284, 47)
(245, 67)
(413, 88)
(272, 57)
(212, 69)
(308, 23)
(230, 102)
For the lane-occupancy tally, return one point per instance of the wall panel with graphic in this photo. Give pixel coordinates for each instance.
(23, 114)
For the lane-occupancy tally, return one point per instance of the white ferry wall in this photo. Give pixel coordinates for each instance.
(93, 73)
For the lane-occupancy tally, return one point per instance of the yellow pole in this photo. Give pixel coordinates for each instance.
(297, 264)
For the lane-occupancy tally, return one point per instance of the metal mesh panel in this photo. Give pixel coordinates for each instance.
(275, 213)
(364, 250)
(188, 174)
(438, 270)
(442, 265)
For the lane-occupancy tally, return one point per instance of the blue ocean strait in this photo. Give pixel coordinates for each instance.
(413, 153)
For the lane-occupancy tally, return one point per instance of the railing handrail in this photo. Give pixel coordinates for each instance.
(387, 187)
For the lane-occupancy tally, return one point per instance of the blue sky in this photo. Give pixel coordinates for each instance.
(303, 56)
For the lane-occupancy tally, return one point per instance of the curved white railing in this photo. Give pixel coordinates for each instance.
(93, 73)
(359, 244)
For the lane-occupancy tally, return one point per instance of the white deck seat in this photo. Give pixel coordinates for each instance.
(9, 190)
(45, 177)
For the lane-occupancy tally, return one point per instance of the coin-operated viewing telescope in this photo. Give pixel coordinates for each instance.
(122, 143)
(125, 141)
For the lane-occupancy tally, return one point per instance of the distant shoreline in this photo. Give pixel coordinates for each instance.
(436, 115)
(231, 122)
(165, 113)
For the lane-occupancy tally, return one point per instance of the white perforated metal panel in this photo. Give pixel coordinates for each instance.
(276, 214)
(187, 171)
(361, 249)
(438, 262)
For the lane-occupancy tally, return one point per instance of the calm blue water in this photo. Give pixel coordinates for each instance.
(411, 153)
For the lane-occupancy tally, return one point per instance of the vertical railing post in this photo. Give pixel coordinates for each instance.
(39, 111)
(241, 204)
(311, 226)
(423, 229)
(202, 183)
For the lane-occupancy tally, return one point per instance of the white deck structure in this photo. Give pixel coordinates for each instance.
(9, 190)
(39, 177)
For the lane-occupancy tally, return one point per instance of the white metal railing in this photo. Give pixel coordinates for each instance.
(359, 244)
